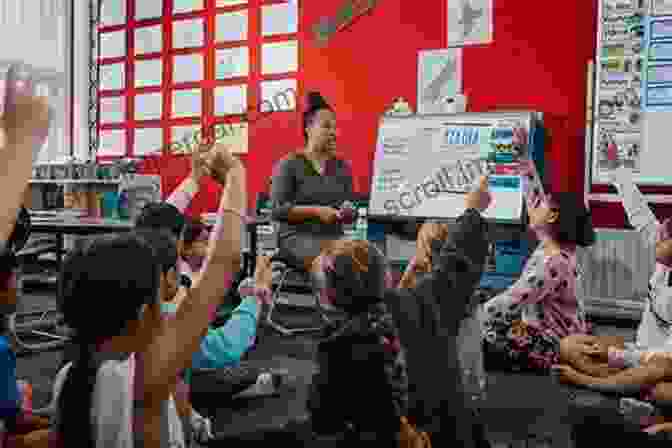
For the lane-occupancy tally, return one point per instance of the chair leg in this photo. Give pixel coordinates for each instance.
(286, 330)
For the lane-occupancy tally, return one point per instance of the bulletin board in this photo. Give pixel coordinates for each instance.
(171, 72)
(632, 103)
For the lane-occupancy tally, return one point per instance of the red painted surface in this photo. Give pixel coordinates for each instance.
(537, 61)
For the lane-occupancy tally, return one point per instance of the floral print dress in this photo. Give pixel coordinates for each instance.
(526, 322)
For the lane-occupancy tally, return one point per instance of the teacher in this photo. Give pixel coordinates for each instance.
(308, 186)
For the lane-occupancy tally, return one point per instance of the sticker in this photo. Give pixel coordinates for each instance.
(660, 73)
(661, 29)
(660, 50)
(658, 96)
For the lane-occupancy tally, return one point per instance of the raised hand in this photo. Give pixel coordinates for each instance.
(479, 198)
(219, 161)
(26, 117)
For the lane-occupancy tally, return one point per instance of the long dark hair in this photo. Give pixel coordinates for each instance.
(314, 103)
(104, 285)
(575, 223)
(161, 215)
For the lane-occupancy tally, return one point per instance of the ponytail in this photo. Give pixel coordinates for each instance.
(76, 400)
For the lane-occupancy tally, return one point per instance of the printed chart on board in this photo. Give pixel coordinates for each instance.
(424, 165)
(633, 91)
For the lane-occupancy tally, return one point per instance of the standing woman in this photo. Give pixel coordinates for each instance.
(308, 186)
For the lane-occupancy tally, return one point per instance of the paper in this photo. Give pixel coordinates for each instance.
(661, 28)
(469, 22)
(183, 6)
(661, 7)
(279, 57)
(112, 143)
(278, 95)
(148, 9)
(148, 72)
(148, 106)
(231, 26)
(112, 76)
(234, 135)
(187, 68)
(112, 109)
(232, 62)
(439, 77)
(188, 33)
(147, 141)
(113, 44)
(280, 18)
(639, 213)
(223, 3)
(148, 39)
(113, 12)
(187, 103)
(230, 100)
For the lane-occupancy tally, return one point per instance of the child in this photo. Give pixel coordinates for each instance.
(523, 326)
(110, 396)
(376, 368)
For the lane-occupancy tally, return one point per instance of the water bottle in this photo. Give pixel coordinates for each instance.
(361, 228)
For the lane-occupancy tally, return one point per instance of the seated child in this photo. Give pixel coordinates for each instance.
(645, 367)
(523, 326)
(374, 368)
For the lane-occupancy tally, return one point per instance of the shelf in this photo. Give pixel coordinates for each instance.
(75, 181)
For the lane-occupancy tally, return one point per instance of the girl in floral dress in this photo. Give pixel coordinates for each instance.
(522, 327)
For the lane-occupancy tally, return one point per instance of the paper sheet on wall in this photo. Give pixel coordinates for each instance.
(113, 12)
(635, 204)
(148, 72)
(112, 143)
(222, 3)
(187, 103)
(188, 33)
(148, 9)
(232, 62)
(278, 95)
(187, 68)
(113, 44)
(230, 100)
(439, 77)
(279, 19)
(183, 6)
(148, 106)
(661, 7)
(279, 57)
(231, 26)
(469, 22)
(148, 39)
(112, 77)
(112, 109)
(147, 141)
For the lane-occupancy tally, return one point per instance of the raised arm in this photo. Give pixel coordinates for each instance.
(182, 196)
(172, 350)
(26, 124)
(458, 265)
(636, 206)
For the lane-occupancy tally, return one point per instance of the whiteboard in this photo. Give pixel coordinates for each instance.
(425, 164)
(38, 34)
(631, 117)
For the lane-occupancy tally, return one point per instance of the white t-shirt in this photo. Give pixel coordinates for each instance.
(113, 407)
(655, 329)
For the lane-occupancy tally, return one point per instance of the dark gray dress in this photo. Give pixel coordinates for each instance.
(297, 183)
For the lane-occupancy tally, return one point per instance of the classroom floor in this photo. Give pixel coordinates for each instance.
(511, 410)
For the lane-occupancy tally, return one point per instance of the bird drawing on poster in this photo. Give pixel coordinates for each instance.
(470, 17)
(432, 92)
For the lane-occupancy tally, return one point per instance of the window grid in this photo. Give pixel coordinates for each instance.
(207, 119)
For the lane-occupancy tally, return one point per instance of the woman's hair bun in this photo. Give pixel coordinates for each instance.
(315, 101)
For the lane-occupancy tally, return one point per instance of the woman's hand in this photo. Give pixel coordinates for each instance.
(479, 198)
(327, 215)
(26, 117)
(219, 161)
(198, 167)
(263, 273)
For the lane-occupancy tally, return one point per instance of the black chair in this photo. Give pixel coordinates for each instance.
(285, 270)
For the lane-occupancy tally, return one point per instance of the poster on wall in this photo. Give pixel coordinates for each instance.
(469, 22)
(439, 78)
(617, 137)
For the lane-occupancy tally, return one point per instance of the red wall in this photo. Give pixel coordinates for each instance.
(537, 61)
